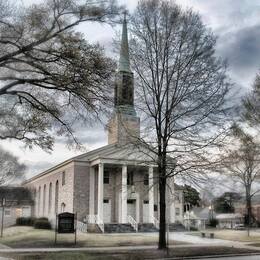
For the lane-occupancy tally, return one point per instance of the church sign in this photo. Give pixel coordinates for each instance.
(66, 222)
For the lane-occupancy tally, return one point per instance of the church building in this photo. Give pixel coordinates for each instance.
(115, 185)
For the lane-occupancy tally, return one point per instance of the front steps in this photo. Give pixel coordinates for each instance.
(118, 228)
(127, 228)
(147, 227)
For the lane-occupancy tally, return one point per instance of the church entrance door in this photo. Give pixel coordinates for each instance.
(107, 211)
(131, 208)
(146, 211)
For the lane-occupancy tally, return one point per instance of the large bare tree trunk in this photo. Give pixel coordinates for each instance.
(162, 190)
(249, 213)
(162, 231)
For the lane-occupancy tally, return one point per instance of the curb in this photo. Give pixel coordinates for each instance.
(206, 257)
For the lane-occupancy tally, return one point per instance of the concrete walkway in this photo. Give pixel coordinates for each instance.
(111, 249)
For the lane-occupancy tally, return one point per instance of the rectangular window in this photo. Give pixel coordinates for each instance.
(106, 201)
(63, 181)
(146, 201)
(177, 211)
(7, 212)
(146, 179)
(130, 178)
(155, 207)
(106, 177)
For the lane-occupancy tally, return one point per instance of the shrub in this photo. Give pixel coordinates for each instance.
(22, 221)
(42, 223)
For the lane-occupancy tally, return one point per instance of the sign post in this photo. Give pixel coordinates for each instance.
(3, 213)
(66, 223)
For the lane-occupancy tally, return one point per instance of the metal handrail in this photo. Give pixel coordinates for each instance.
(95, 219)
(132, 222)
(100, 223)
(156, 222)
(82, 226)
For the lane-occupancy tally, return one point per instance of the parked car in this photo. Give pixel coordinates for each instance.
(239, 227)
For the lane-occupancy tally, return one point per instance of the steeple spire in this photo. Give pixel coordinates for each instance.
(124, 62)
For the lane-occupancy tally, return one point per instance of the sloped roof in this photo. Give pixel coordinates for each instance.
(229, 216)
(15, 195)
(200, 213)
(128, 152)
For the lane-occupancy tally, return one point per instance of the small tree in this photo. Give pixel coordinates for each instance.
(225, 203)
(242, 163)
(191, 195)
(10, 168)
(181, 88)
(50, 76)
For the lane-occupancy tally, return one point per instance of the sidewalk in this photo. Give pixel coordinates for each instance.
(119, 248)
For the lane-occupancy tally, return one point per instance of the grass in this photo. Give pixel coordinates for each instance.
(136, 255)
(233, 235)
(28, 237)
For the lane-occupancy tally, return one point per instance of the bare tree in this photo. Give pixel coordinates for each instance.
(241, 161)
(10, 168)
(50, 76)
(252, 104)
(181, 89)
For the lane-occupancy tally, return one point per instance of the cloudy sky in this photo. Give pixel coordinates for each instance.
(237, 25)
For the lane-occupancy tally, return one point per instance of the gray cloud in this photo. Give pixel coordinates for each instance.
(37, 167)
(242, 49)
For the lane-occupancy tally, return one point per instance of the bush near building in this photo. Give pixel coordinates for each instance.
(41, 223)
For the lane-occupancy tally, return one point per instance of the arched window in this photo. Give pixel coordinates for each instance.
(44, 200)
(50, 198)
(39, 201)
(63, 205)
(56, 196)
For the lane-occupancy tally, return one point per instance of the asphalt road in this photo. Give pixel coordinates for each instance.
(253, 257)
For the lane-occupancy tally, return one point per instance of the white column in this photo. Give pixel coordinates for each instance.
(92, 191)
(100, 190)
(151, 195)
(124, 195)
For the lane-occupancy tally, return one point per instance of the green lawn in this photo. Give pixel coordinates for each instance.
(28, 237)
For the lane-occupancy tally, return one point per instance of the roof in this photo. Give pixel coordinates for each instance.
(15, 195)
(229, 216)
(128, 153)
(199, 213)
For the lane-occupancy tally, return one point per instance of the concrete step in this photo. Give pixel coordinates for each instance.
(93, 228)
(118, 228)
(147, 227)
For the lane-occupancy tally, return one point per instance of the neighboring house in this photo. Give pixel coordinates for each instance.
(229, 220)
(18, 203)
(117, 183)
(240, 207)
(198, 217)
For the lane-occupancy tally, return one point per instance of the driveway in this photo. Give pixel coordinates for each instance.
(253, 257)
(185, 237)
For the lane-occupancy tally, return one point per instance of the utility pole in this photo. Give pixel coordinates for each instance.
(3, 211)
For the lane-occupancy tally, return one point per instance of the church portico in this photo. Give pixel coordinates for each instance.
(124, 193)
